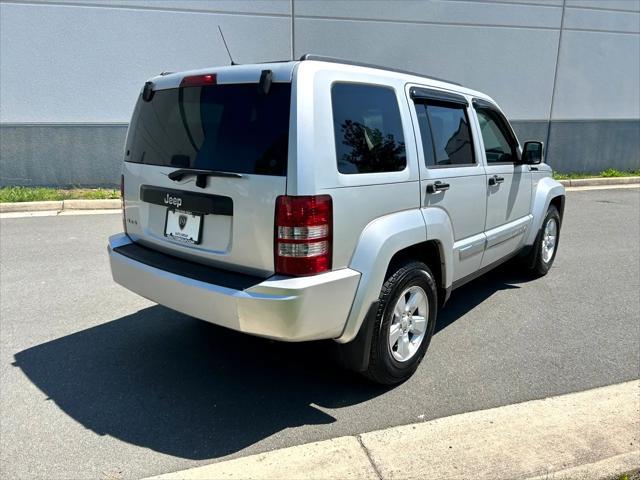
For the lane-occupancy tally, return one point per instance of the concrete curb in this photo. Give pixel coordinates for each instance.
(60, 205)
(584, 435)
(610, 468)
(30, 206)
(593, 182)
(91, 204)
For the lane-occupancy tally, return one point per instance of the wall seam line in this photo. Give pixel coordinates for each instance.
(33, 3)
(595, 30)
(293, 30)
(555, 76)
(508, 3)
(423, 22)
(602, 9)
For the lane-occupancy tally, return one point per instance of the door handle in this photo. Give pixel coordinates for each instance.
(437, 186)
(495, 180)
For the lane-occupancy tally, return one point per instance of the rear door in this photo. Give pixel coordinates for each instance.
(508, 183)
(205, 160)
(451, 176)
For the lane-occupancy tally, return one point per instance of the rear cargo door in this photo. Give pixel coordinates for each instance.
(205, 161)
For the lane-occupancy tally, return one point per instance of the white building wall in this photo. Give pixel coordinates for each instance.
(565, 71)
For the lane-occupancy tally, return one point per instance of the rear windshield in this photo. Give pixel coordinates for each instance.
(231, 128)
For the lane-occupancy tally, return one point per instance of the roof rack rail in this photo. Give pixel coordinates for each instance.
(322, 58)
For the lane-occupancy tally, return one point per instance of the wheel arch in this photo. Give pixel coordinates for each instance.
(558, 202)
(428, 252)
(390, 240)
(548, 192)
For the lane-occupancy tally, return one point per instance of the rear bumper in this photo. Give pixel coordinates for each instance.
(282, 308)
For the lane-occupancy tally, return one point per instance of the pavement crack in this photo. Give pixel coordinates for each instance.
(368, 454)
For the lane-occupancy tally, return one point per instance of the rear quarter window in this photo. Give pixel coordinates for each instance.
(367, 128)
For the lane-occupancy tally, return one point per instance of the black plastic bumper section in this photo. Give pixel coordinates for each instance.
(185, 268)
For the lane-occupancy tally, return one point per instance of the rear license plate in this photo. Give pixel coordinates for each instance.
(183, 226)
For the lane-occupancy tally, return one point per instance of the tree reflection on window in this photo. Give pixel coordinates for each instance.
(371, 151)
(367, 128)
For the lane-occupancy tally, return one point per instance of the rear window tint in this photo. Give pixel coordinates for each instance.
(368, 129)
(231, 128)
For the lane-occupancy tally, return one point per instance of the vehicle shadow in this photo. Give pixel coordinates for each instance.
(186, 388)
(181, 386)
(472, 294)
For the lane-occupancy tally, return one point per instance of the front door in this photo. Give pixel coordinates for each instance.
(452, 180)
(508, 185)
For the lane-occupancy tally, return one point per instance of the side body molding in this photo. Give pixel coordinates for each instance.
(546, 189)
(378, 243)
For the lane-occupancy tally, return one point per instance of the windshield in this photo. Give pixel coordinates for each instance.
(231, 128)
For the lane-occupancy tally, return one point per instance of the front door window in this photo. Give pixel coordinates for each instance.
(498, 147)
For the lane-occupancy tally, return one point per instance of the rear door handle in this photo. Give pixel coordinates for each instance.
(437, 186)
(495, 180)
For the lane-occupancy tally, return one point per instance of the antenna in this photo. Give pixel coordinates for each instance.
(225, 46)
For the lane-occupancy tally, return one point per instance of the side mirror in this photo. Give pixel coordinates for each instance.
(532, 153)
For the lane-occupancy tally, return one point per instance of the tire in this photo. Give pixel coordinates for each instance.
(394, 364)
(540, 259)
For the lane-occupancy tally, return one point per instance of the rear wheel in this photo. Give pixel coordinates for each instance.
(545, 248)
(404, 324)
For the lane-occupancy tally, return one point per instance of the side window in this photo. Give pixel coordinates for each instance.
(446, 136)
(498, 146)
(368, 129)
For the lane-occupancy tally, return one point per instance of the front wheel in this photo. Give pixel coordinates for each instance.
(546, 246)
(404, 324)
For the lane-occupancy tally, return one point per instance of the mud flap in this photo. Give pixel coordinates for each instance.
(355, 354)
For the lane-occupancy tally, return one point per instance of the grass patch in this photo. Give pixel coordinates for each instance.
(35, 194)
(635, 475)
(610, 172)
(573, 175)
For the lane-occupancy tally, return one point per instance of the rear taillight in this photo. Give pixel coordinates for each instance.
(124, 218)
(303, 235)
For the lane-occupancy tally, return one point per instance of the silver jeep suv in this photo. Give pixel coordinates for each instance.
(323, 199)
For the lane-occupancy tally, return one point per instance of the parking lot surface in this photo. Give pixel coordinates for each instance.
(98, 382)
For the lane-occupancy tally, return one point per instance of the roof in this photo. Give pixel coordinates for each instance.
(283, 72)
(322, 58)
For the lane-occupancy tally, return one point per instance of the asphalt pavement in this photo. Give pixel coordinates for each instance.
(97, 382)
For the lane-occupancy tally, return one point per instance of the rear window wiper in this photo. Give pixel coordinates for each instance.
(201, 175)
